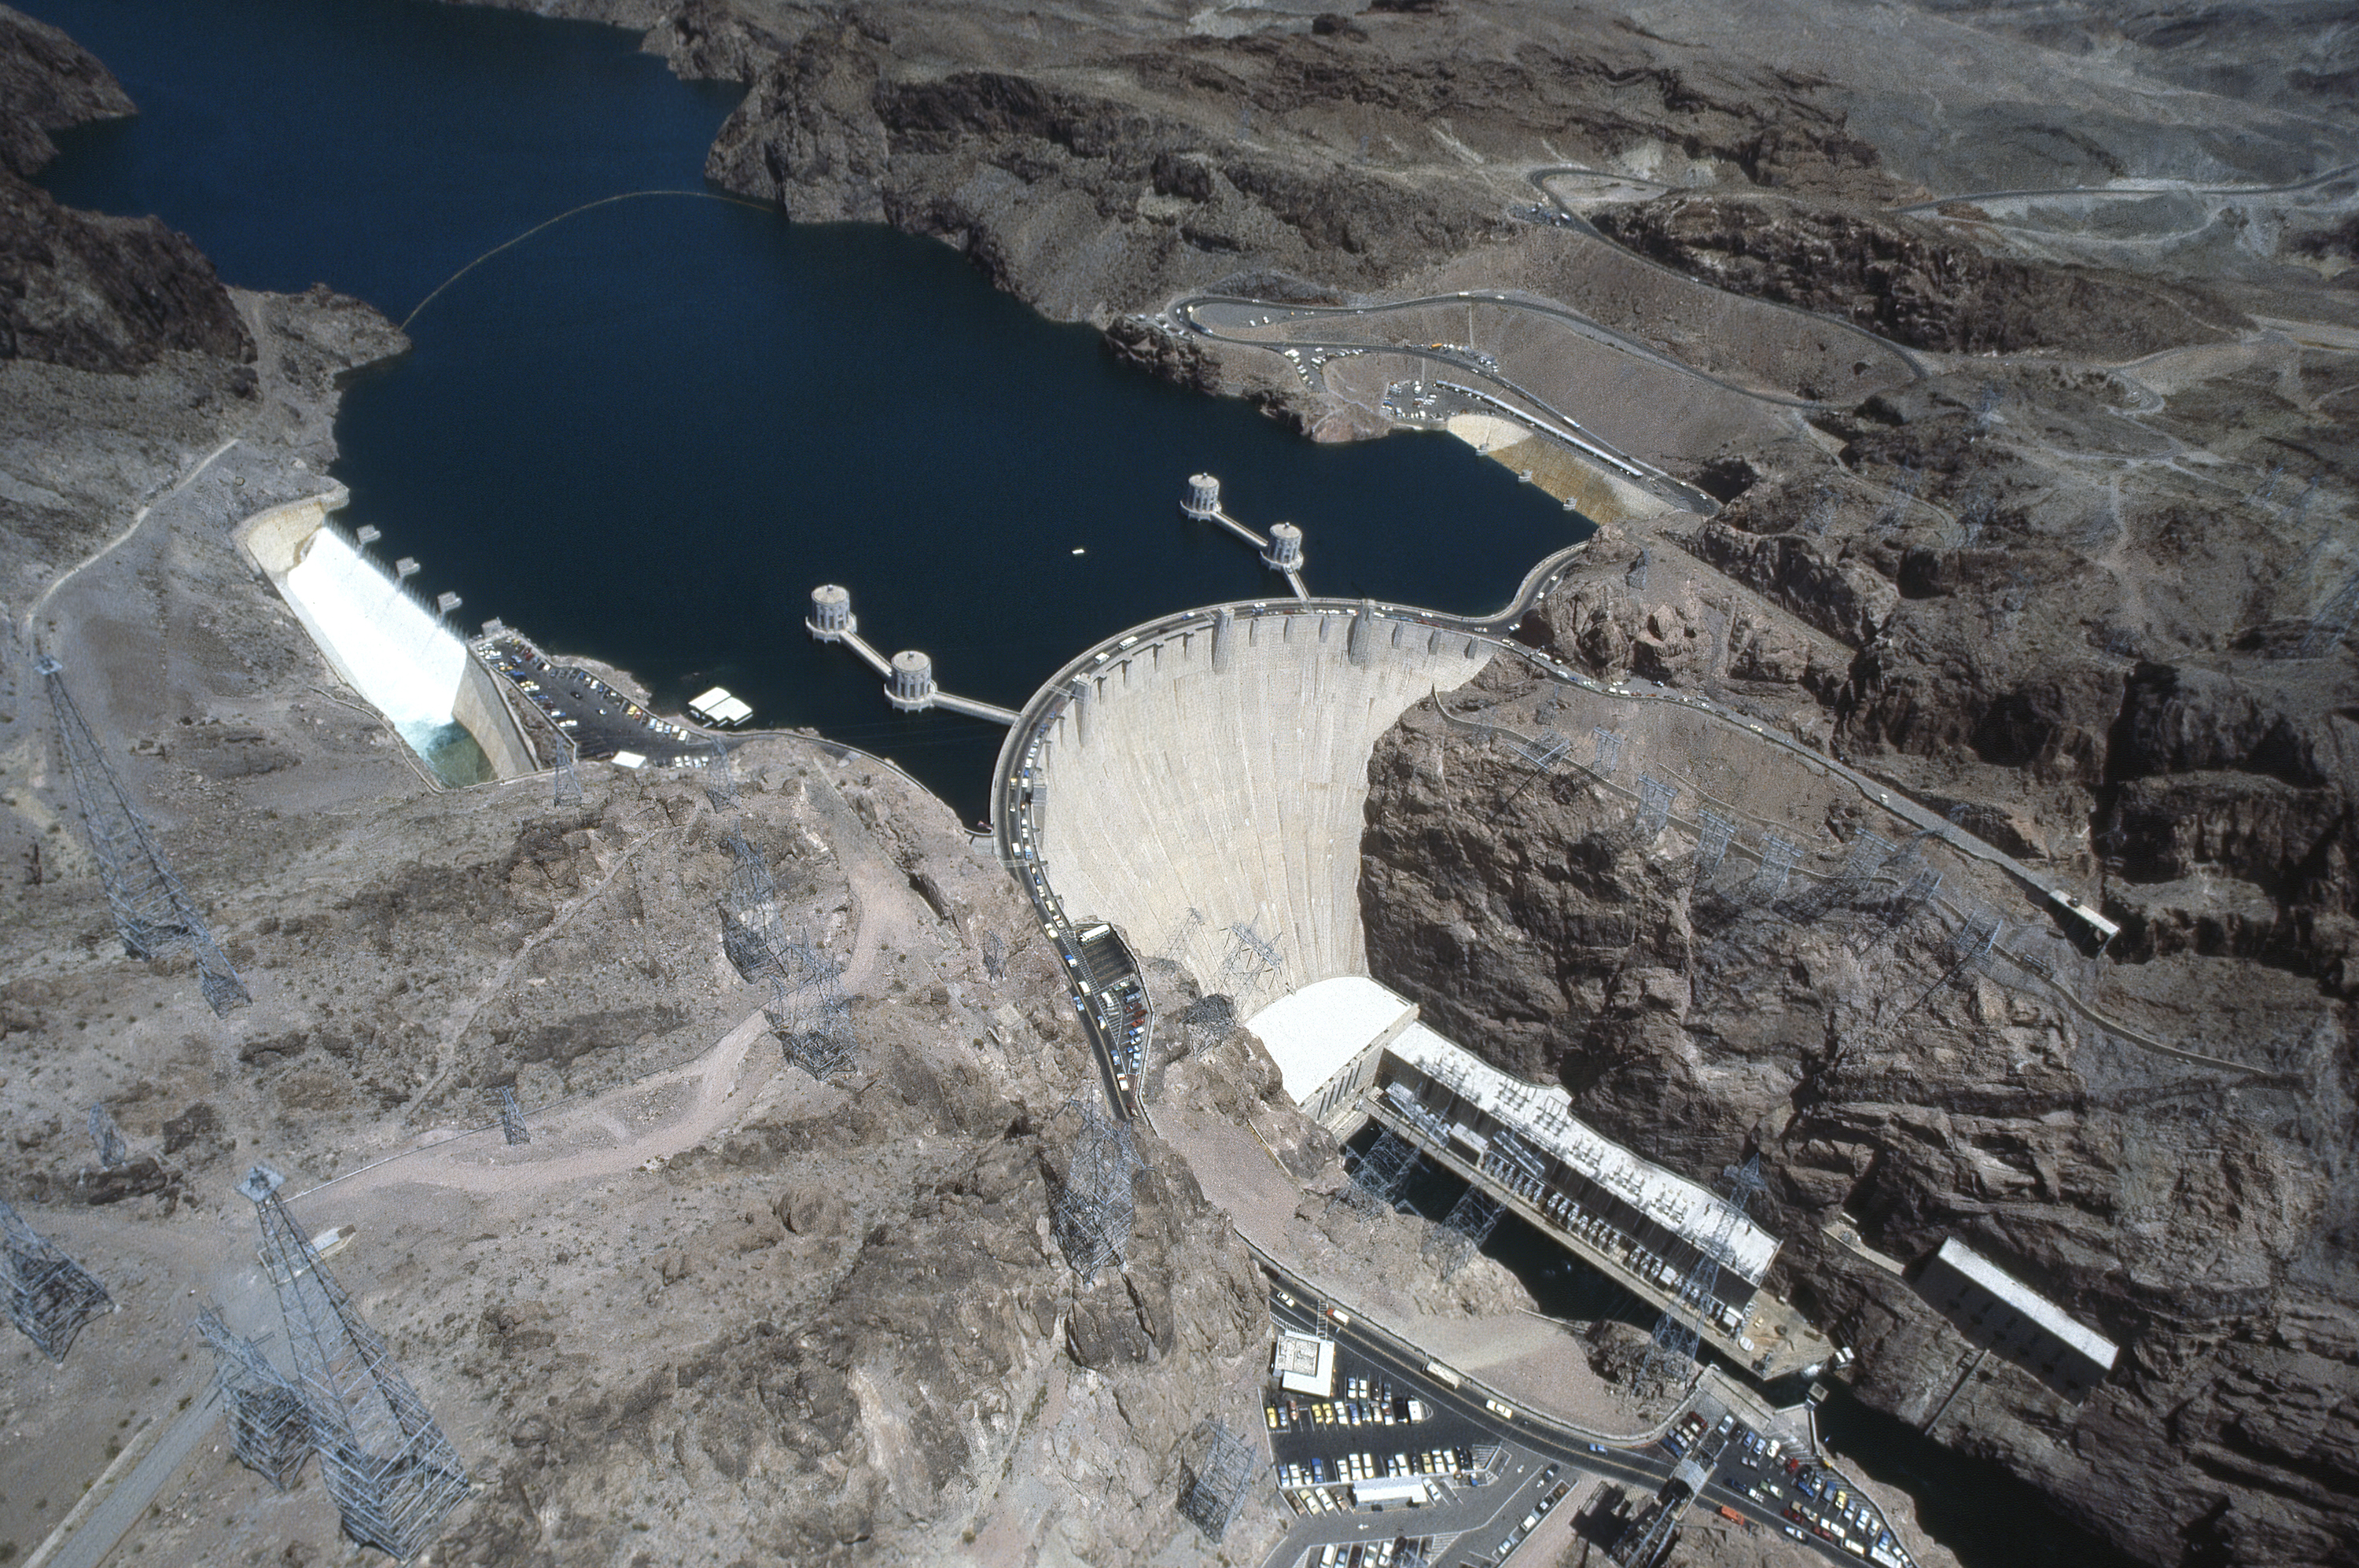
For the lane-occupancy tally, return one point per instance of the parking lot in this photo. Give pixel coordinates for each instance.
(1813, 1504)
(599, 721)
(1386, 1423)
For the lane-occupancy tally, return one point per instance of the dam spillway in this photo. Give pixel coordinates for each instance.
(402, 657)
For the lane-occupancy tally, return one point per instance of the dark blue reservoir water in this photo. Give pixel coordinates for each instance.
(646, 432)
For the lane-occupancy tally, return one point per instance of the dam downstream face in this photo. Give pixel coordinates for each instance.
(644, 434)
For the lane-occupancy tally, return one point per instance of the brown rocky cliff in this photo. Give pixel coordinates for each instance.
(47, 83)
(2203, 1220)
(1909, 281)
(78, 289)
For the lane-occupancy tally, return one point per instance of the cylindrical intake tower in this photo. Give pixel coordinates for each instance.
(913, 681)
(1203, 496)
(1285, 551)
(831, 615)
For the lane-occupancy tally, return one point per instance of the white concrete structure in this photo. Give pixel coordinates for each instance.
(717, 707)
(830, 615)
(1304, 1364)
(1407, 1489)
(1327, 1036)
(397, 654)
(2000, 1313)
(1213, 776)
(1284, 551)
(1541, 1118)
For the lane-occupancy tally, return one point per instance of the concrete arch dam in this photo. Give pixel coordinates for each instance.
(1201, 782)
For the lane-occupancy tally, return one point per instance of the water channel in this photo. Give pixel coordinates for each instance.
(645, 432)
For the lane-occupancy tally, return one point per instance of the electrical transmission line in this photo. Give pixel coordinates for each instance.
(153, 913)
(269, 1431)
(1092, 1210)
(49, 1295)
(1678, 1332)
(393, 1475)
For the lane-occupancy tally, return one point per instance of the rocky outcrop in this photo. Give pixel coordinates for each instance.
(47, 83)
(78, 289)
(2205, 1222)
(1910, 282)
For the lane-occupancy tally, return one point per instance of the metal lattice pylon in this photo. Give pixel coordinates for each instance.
(1217, 1490)
(1713, 837)
(1452, 1244)
(1898, 500)
(567, 790)
(512, 1126)
(753, 933)
(1903, 906)
(153, 913)
(268, 1425)
(1678, 1332)
(112, 1150)
(1543, 751)
(1865, 858)
(2327, 631)
(994, 954)
(720, 779)
(1778, 860)
(1254, 962)
(1649, 1535)
(394, 1476)
(1609, 750)
(808, 1012)
(49, 1295)
(1378, 1176)
(1655, 799)
(1091, 1208)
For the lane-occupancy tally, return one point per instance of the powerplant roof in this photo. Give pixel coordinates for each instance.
(2028, 1301)
(1312, 1034)
(1543, 1118)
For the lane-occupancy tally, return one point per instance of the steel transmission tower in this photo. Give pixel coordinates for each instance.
(270, 1429)
(153, 913)
(1092, 1210)
(512, 1126)
(1453, 1243)
(1655, 799)
(567, 782)
(720, 779)
(112, 1150)
(1678, 1332)
(49, 1295)
(1217, 1490)
(752, 933)
(1254, 961)
(1378, 1178)
(809, 1013)
(394, 1476)
(1712, 845)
